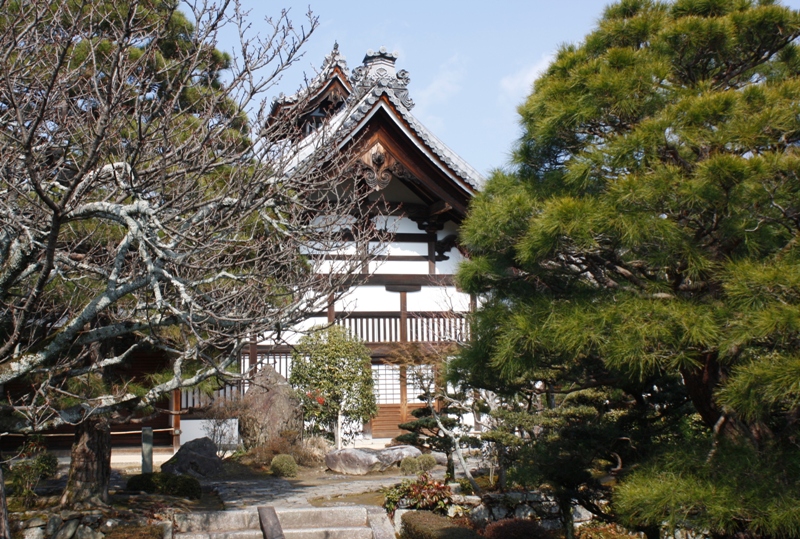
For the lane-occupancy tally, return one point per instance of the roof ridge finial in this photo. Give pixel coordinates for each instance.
(334, 59)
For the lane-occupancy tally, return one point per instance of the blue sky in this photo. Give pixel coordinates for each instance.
(471, 62)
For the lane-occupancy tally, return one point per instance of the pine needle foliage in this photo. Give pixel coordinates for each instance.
(644, 245)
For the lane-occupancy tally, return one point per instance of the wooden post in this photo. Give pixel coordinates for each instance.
(403, 316)
(403, 370)
(252, 357)
(176, 420)
(331, 309)
(431, 252)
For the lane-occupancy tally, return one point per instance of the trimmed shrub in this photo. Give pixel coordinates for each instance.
(283, 466)
(426, 462)
(181, 486)
(466, 486)
(145, 482)
(516, 528)
(409, 466)
(25, 475)
(427, 525)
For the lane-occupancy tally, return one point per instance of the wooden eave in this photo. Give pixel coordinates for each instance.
(385, 125)
(337, 81)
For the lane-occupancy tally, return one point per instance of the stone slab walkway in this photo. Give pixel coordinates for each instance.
(295, 494)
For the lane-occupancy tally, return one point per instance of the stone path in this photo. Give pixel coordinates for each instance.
(296, 493)
(282, 493)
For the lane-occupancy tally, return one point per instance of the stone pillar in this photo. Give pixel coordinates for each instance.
(147, 449)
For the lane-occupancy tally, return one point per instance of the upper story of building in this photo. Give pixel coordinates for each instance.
(420, 190)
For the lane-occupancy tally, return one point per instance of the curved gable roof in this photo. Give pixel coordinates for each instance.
(369, 87)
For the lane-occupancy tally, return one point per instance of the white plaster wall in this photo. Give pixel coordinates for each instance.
(435, 298)
(449, 267)
(407, 248)
(396, 224)
(369, 298)
(449, 228)
(397, 267)
(292, 336)
(192, 429)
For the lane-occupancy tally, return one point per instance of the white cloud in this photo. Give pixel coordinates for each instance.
(518, 85)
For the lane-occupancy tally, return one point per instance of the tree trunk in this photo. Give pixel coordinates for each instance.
(567, 520)
(338, 434)
(5, 530)
(90, 465)
(450, 472)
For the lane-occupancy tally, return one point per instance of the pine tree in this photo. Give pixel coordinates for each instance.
(644, 245)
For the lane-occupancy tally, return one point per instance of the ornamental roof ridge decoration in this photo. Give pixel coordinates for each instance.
(332, 60)
(378, 72)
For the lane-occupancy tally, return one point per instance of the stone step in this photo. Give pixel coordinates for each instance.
(323, 517)
(230, 534)
(217, 521)
(330, 533)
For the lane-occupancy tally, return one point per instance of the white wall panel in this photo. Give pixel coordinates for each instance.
(449, 267)
(370, 298)
(397, 225)
(435, 298)
(395, 267)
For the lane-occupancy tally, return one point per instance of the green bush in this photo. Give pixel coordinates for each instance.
(409, 466)
(181, 486)
(145, 482)
(516, 528)
(25, 474)
(283, 466)
(427, 525)
(426, 462)
(466, 486)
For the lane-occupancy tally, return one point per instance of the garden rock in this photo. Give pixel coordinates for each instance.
(580, 514)
(35, 522)
(353, 461)
(53, 523)
(398, 520)
(524, 512)
(85, 532)
(197, 458)
(479, 515)
(393, 455)
(33, 533)
(362, 461)
(271, 411)
(68, 529)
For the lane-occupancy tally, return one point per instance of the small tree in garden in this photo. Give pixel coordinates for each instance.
(332, 373)
(438, 426)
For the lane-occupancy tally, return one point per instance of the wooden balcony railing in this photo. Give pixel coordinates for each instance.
(382, 327)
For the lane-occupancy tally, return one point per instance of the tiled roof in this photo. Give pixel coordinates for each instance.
(378, 77)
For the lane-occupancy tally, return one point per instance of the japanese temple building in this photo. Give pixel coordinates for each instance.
(408, 294)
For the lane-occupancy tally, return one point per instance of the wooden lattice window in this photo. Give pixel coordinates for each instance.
(387, 383)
